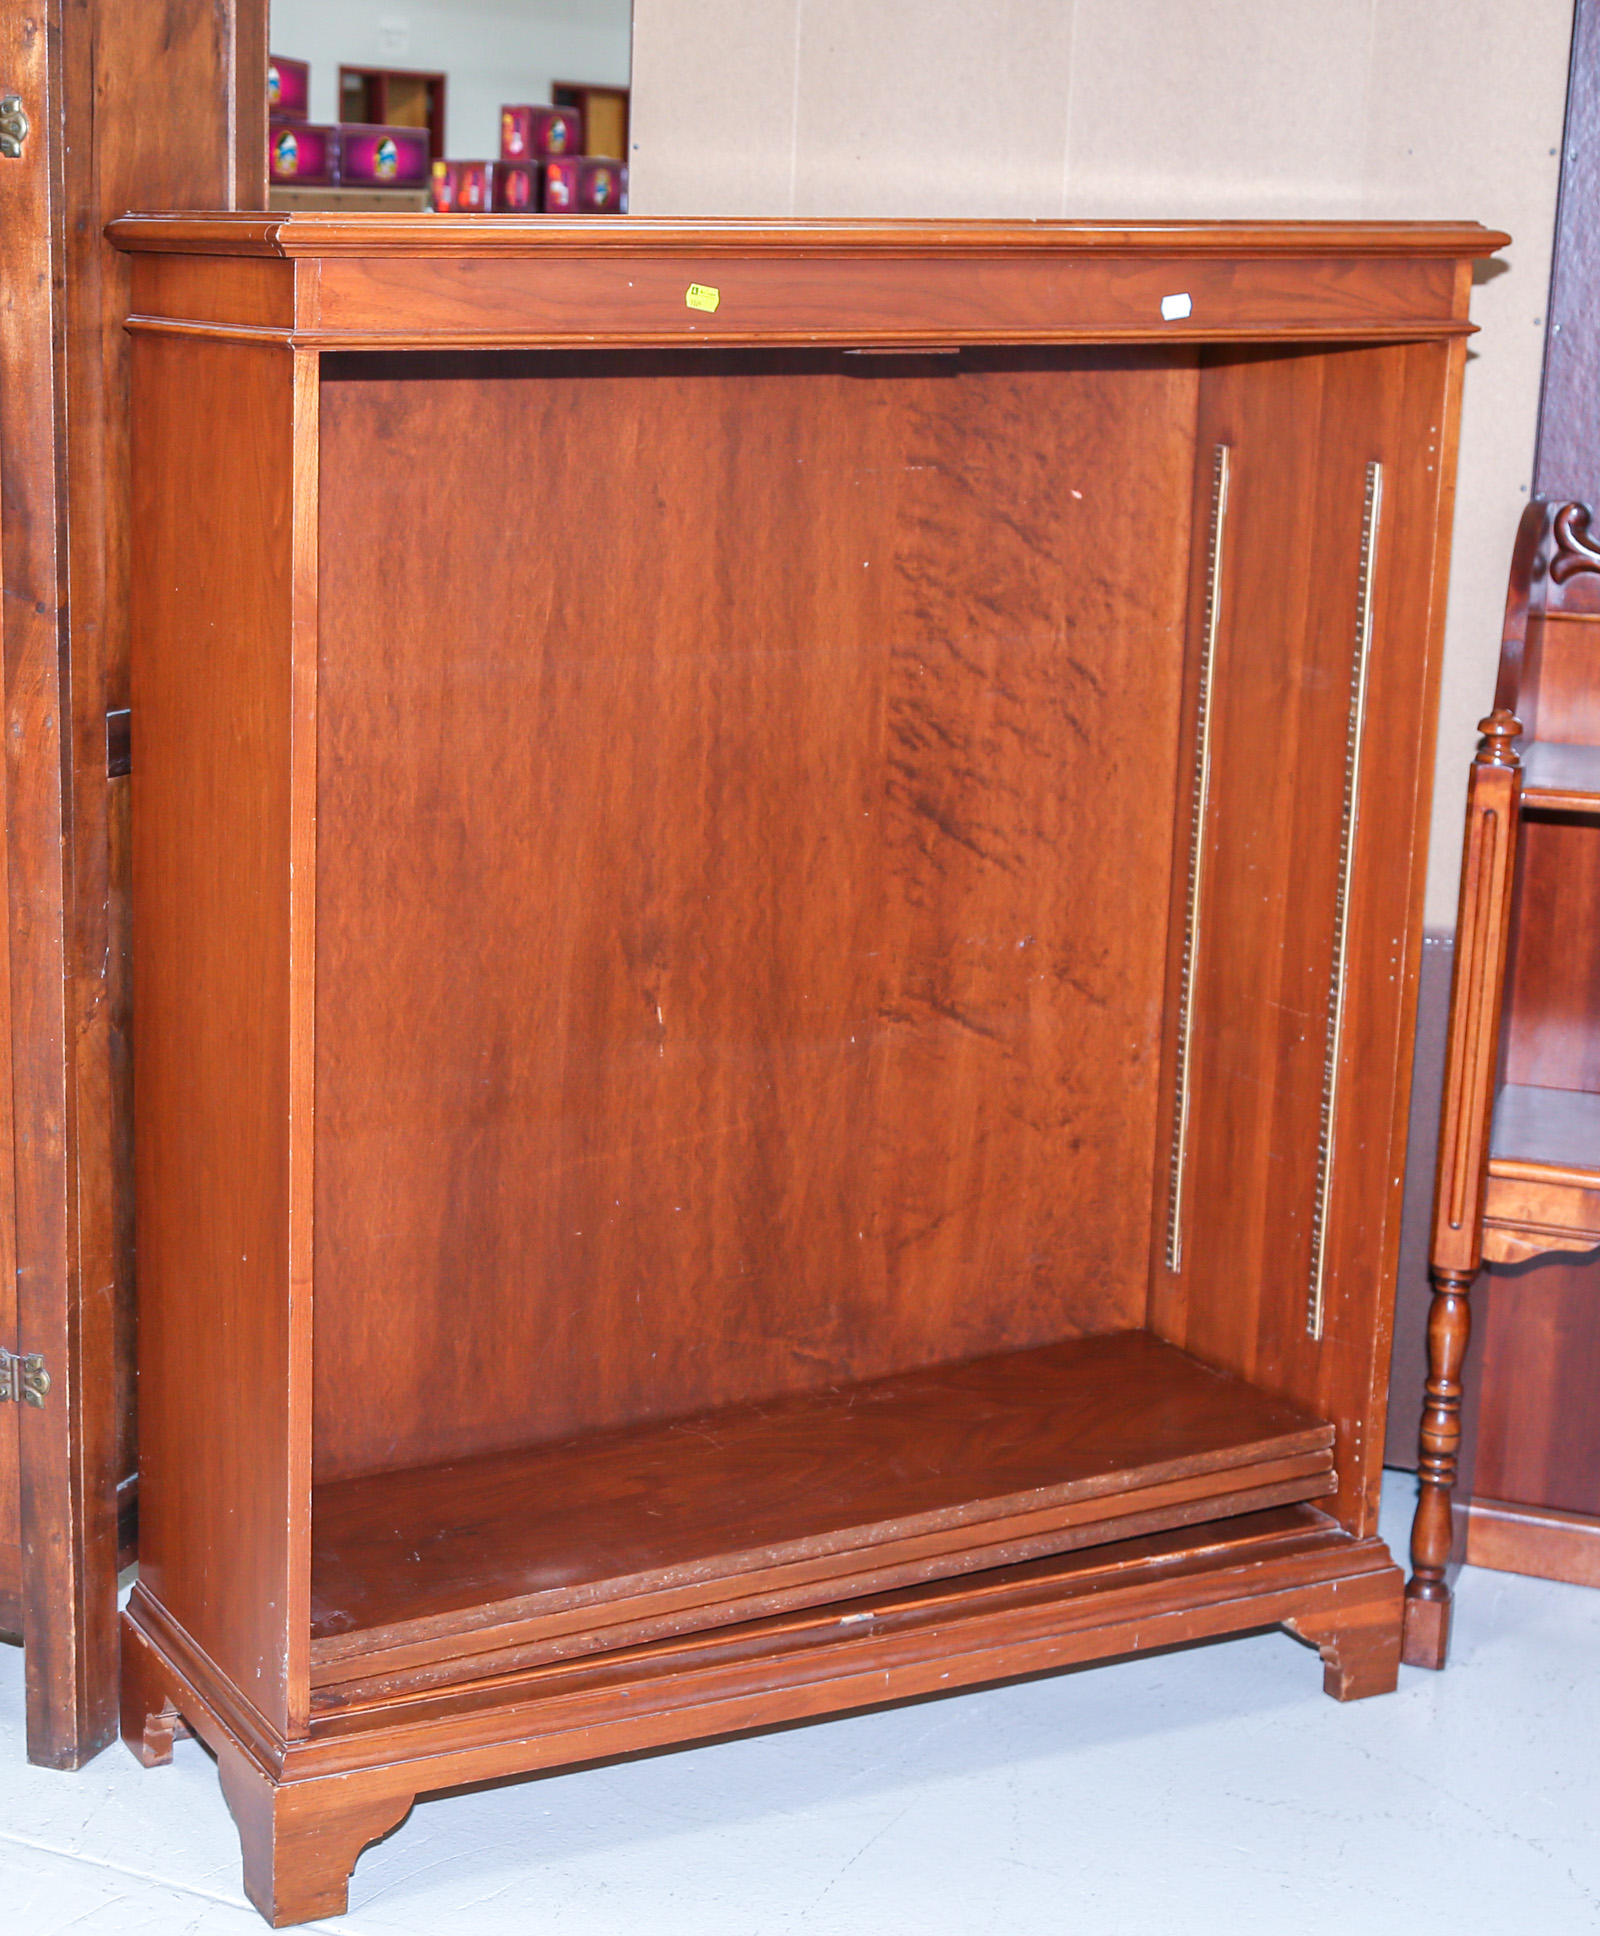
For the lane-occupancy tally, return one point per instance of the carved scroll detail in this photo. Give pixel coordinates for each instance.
(1575, 551)
(1199, 804)
(1349, 820)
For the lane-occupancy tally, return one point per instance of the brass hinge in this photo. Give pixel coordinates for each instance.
(23, 1378)
(13, 126)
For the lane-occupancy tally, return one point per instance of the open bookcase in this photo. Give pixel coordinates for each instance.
(777, 879)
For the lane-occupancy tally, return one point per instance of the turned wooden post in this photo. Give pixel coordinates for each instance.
(1483, 923)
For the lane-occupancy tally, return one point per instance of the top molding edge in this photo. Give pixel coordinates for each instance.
(382, 234)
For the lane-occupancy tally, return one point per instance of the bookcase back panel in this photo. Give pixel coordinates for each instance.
(744, 852)
(1552, 1016)
(1560, 692)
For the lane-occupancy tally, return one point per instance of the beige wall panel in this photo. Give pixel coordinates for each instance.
(713, 125)
(1249, 109)
(1466, 109)
(931, 107)
(1398, 108)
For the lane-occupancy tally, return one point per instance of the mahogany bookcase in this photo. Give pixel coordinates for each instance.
(777, 898)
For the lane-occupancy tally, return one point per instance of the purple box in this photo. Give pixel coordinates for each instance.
(463, 187)
(288, 89)
(376, 157)
(540, 134)
(586, 185)
(516, 187)
(558, 187)
(300, 155)
(602, 187)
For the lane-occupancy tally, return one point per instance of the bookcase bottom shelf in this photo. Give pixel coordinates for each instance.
(497, 1564)
(306, 1807)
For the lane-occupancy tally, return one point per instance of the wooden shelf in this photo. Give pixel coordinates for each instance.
(1053, 1600)
(345, 201)
(1558, 777)
(572, 1548)
(1543, 1189)
(1556, 1129)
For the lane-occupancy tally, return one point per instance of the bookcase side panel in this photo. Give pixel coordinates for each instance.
(213, 463)
(1415, 400)
(1324, 698)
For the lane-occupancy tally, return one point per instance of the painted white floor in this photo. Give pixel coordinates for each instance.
(1215, 1790)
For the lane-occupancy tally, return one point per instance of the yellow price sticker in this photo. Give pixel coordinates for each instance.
(698, 296)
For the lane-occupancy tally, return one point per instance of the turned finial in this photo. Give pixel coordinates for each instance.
(1498, 730)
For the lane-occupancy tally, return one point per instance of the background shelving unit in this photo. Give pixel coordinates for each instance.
(1519, 1149)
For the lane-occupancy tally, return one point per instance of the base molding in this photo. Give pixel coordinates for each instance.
(306, 1806)
(1536, 1540)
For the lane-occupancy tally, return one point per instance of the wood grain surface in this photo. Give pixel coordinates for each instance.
(956, 296)
(1553, 1023)
(1562, 650)
(936, 1468)
(433, 281)
(212, 715)
(1286, 1565)
(10, 1337)
(1301, 430)
(322, 236)
(1539, 1411)
(1551, 1545)
(84, 70)
(709, 936)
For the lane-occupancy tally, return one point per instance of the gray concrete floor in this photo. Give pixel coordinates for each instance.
(1213, 1790)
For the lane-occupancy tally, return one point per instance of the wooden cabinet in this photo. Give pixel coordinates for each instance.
(1519, 1147)
(777, 878)
(109, 107)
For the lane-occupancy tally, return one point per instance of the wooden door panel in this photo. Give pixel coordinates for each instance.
(87, 72)
(10, 1450)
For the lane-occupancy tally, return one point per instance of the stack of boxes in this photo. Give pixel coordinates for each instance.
(350, 155)
(542, 167)
(542, 170)
(299, 155)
